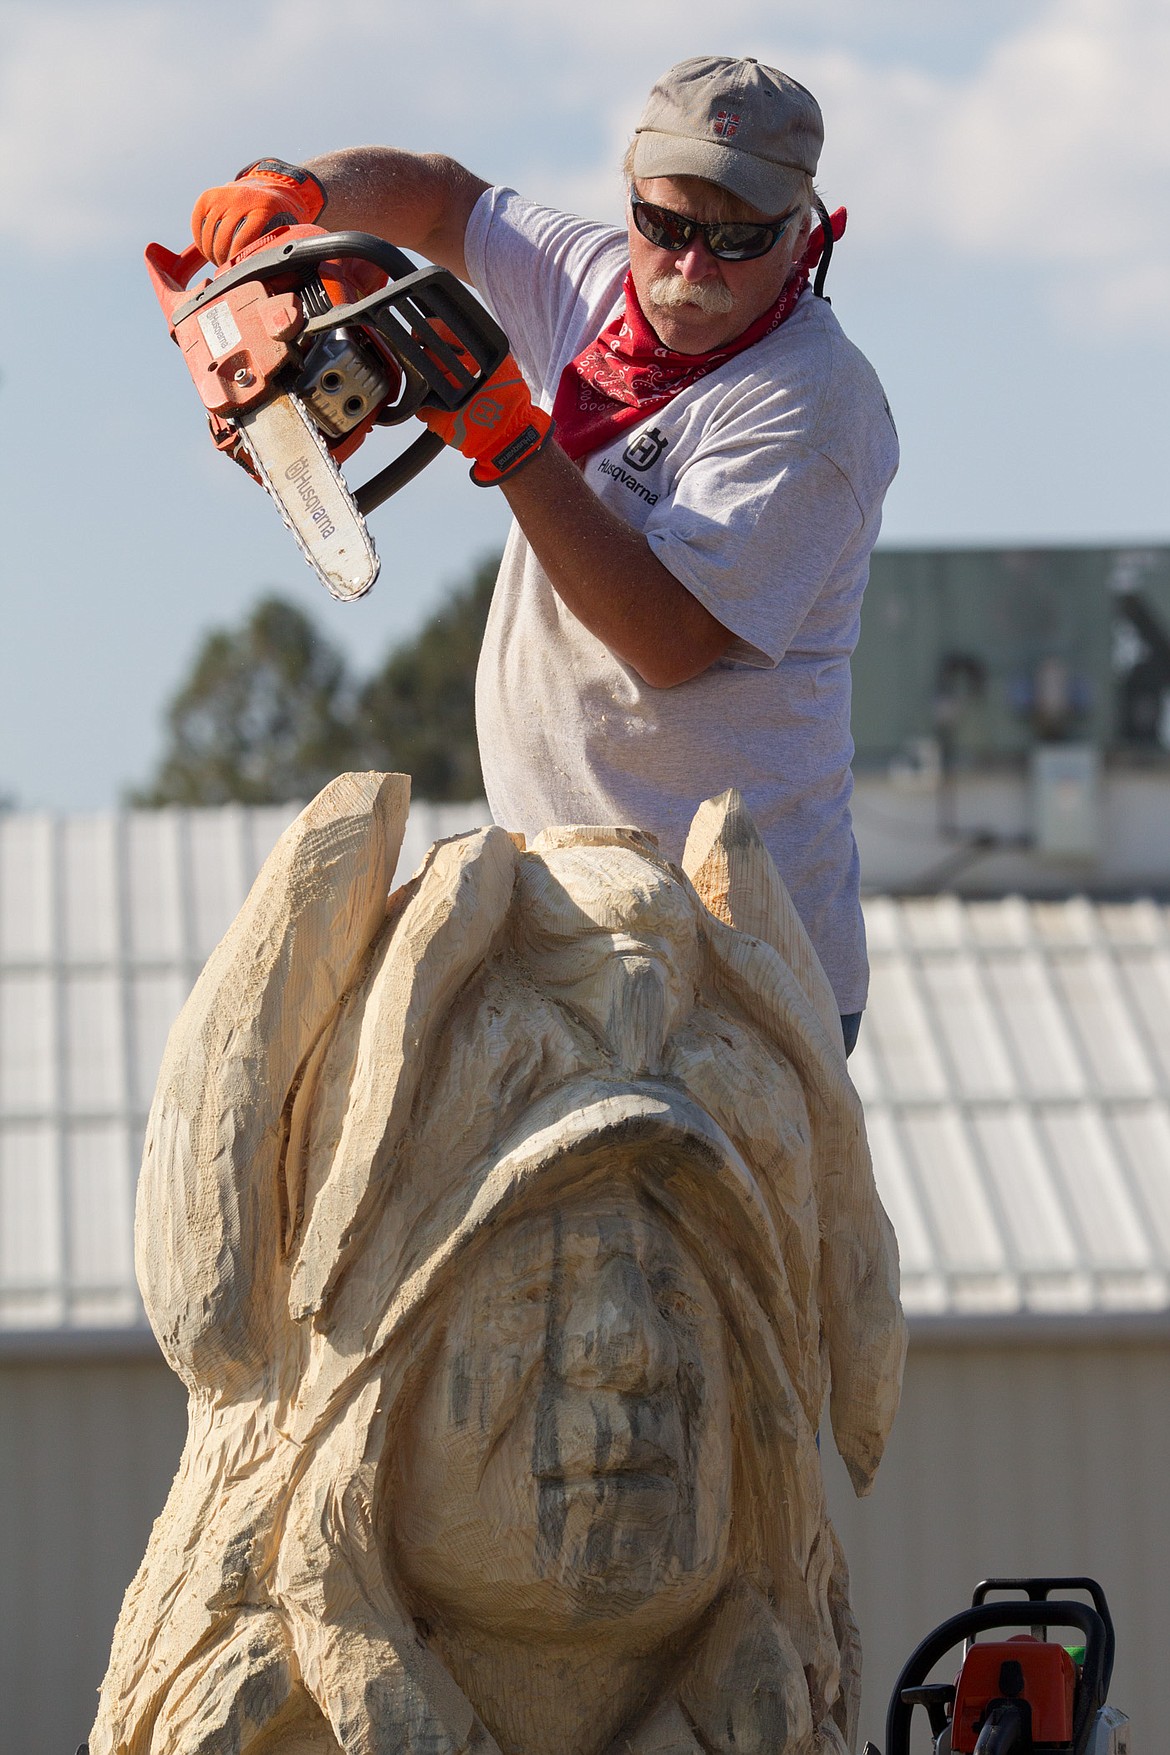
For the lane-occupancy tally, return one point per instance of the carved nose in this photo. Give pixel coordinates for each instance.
(615, 1336)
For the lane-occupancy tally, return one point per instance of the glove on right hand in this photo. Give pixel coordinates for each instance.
(265, 195)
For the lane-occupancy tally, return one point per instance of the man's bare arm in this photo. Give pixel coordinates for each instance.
(605, 573)
(602, 569)
(419, 201)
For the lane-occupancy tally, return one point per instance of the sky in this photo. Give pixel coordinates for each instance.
(1006, 166)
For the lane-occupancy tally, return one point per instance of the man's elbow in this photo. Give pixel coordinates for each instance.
(669, 665)
(659, 672)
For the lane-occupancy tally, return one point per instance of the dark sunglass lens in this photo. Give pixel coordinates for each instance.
(662, 228)
(736, 240)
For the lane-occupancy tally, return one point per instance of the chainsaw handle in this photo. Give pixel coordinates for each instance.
(404, 468)
(1040, 1589)
(305, 246)
(983, 1618)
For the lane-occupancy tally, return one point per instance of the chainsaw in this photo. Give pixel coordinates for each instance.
(1019, 1695)
(296, 359)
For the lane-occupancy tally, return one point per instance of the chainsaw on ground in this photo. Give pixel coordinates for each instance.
(1018, 1695)
(301, 345)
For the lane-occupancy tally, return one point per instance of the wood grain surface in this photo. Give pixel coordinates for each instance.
(512, 1234)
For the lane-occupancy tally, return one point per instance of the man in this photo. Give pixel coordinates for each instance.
(681, 590)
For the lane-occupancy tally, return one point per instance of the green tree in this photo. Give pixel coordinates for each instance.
(417, 715)
(265, 716)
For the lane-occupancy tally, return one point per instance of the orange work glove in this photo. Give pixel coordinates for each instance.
(264, 195)
(500, 429)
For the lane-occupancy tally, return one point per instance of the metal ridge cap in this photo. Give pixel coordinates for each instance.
(1041, 1328)
(64, 1345)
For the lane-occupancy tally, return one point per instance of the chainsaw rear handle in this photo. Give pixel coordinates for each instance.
(170, 274)
(1040, 1589)
(983, 1617)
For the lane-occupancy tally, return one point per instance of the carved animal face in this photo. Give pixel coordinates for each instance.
(569, 1457)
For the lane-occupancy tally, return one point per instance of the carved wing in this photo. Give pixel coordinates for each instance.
(208, 1222)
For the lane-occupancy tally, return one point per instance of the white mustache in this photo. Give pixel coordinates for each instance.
(670, 291)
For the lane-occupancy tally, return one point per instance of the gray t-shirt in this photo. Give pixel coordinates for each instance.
(760, 489)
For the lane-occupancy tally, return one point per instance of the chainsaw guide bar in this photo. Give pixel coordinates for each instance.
(310, 492)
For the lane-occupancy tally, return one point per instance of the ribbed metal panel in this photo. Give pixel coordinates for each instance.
(1017, 1085)
(1013, 1061)
(105, 922)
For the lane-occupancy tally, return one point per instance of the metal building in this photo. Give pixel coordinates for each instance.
(1017, 1081)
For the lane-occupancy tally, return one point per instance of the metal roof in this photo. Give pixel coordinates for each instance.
(105, 922)
(1014, 1069)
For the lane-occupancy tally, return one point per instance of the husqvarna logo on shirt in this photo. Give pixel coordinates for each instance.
(644, 451)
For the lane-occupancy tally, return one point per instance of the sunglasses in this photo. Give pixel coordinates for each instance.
(729, 240)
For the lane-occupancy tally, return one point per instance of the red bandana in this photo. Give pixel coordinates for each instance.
(627, 374)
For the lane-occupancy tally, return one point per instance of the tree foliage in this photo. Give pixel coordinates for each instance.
(264, 717)
(417, 715)
(269, 713)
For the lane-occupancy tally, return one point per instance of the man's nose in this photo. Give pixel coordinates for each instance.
(615, 1336)
(696, 261)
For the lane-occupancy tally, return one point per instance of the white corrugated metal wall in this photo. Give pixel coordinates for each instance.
(105, 923)
(1018, 1457)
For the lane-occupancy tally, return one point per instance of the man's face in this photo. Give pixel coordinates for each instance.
(737, 292)
(569, 1456)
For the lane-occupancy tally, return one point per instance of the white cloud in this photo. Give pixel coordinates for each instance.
(1044, 148)
(118, 110)
(1053, 154)
(79, 92)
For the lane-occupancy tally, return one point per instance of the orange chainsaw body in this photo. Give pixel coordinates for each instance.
(237, 345)
(1049, 1681)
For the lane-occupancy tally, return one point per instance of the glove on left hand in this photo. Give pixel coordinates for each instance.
(264, 195)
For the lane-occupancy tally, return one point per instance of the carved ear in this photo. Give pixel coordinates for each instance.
(444, 932)
(861, 1319)
(208, 1217)
(744, 1689)
(736, 877)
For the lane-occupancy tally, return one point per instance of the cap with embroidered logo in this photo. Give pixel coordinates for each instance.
(737, 123)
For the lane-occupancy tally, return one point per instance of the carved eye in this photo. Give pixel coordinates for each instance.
(673, 1299)
(532, 1292)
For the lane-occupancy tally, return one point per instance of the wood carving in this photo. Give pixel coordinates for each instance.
(509, 1236)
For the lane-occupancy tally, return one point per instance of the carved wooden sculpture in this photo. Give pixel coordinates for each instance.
(508, 1237)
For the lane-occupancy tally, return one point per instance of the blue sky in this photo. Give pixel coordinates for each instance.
(1007, 269)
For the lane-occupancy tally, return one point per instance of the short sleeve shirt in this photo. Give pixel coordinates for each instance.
(760, 489)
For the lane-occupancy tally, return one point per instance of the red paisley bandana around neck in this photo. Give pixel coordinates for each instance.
(627, 373)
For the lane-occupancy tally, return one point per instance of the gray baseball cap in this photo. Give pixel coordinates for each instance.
(736, 123)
